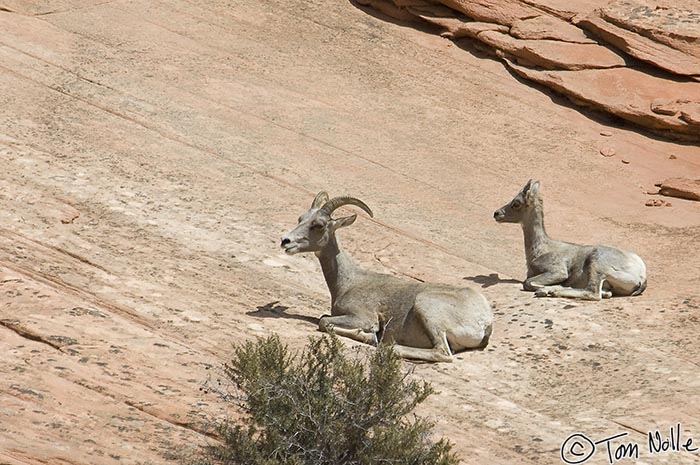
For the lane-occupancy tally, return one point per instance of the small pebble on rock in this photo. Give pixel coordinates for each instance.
(657, 203)
(607, 151)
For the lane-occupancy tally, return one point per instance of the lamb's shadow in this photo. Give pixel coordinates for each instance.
(273, 310)
(490, 280)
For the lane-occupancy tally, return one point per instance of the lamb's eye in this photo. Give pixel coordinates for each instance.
(516, 204)
(316, 226)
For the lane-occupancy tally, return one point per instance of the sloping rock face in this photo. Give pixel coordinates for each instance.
(636, 59)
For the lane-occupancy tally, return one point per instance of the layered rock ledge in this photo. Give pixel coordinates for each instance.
(636, 59)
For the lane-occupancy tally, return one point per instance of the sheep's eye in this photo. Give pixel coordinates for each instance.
(316, 226)
(516, 204)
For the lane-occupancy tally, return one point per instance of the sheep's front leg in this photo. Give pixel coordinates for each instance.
(351, 326)
(545, 279)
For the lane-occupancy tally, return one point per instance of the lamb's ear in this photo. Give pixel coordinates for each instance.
(342, 222)
(320, 199)
(532, 193)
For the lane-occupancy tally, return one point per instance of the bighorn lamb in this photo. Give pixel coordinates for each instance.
(425, 321)
(562, 269)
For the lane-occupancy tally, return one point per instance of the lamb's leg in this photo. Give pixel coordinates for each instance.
(547, 278)
(593, 291)
(569, 292)
(351, 326)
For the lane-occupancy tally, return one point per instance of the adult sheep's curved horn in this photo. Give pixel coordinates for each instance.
(337, 202)
(320, 199)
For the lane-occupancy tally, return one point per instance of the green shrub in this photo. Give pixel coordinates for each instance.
(323, 407)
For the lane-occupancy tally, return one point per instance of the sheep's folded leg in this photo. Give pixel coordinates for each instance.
(350, 326)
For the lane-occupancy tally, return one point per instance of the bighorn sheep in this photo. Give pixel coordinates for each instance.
(562, 269)
(425, 321)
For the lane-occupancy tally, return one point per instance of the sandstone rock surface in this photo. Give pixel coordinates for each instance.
(456, 28)
(566, 9)
(674, 23)
(504, 12)
(153, 153)
(549, 27)
(624, 92)
(650, 51)
(639, 46)
(683, 188)
(553, 54)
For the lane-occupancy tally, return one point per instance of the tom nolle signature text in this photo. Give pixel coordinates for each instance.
(579, 448)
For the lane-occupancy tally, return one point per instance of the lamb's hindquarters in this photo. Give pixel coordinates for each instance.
(607, 271)
(624, 272)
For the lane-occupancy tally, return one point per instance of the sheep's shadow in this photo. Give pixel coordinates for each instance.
(490, 280)
(273, 310)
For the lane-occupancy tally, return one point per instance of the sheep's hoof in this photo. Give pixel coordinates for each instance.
(542, 292)
(325, 325)
(606, 294)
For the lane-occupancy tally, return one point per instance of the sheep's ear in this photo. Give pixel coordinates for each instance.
(320, 199)
(344, 221)
(533, 190)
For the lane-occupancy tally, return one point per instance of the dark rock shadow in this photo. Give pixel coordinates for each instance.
(273, 310)
(490, 280)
